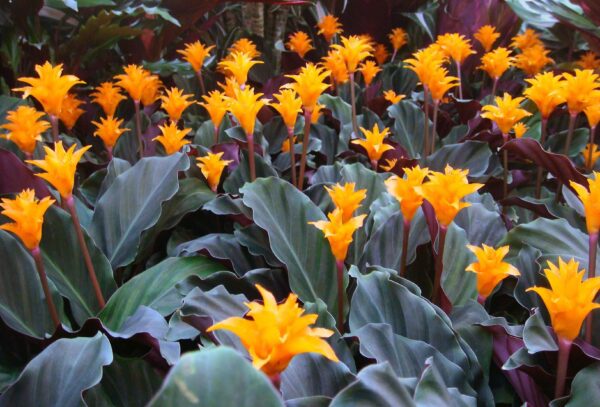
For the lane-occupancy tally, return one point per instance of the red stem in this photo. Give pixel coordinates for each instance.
(459, 75)
(439, 265)
(593, 251)
(353, 101)
(426, 121)
(54, 123)
(339, 264)
(201, 80)
(292, 154)
(252, 164)
(495, 87)
(590, 156)
(436, 108)
(138, 127)
(216, 137)
(564, 349)
(307, 117)
(403, 256)
(39, 264)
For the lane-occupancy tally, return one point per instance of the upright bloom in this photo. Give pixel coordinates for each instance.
(528, 39)
(25, 127)
(439, 83)
(592, 110)
(533, 59)
(329, 26)
(108, 96)
(589, 60)
(238, 64)
(174, 102)
(171, 138)
(354, 50)
(245, 107)
(49, 88)
(274, 333)
(346, 198)
(569, 299)
(545, 92)
(245, 46)
(334, 63)
(60, 166)
(455, 46)
(195, 54)
(215, 104)
(300, 43)
(490, 267)
(381, 54)
(134, 81)
(373, 143)
(519, 129)
(590, 197)
(398, 38)
(289, 106)
(506, 113)
(71, 111)
(407, 190)
(392, 97)
(109, 130)
(151, 90)
(339, 233)
(590, 157)
(369, 70)
(579, 89)
(309, 84)
(426, 61)
(27, 214)
(212, 167)
(496, 62)
(487, 36)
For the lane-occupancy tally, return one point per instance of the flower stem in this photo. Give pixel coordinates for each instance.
(353, 101)
(339, 264)
(540, 171)
(590, 157)
(201, 80)
(109, 153)
(481, 300)
(495, 87)
(216, 137)
(367, 95)
(436, 108)
(564, 349)
(593, 251)
(292, 154)
(138, 127)
(572, 120)
(84, 250)
(459, 76)
(505, 177)
(307, 116)
(374, 165)
(394, 55)
(439, 265)
(54, 123)
(39, 264)
(251, 163)
(426, 121)
(403, 256)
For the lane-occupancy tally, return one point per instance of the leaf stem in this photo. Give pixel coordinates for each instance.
(403, 256)
(251, 163)
(307, 117)
(564, 349)
(339, 265)
(138, 127)
(292, 154)
(593, 251)
(439, 265)
(39, 265)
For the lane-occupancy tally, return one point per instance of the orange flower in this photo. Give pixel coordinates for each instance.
(389, 164)
(381, 54)
(175, 102)
(49, 88)
(288, 107)
(408, 190)
(455, 46)
(506, 113)
(60, 166)
(569, 299)
(133, 81)
(216, 106)
(398, 38)
(520, 129)
(426, 61)
(300, 43)
(70, 111)
(109, 130)
(245, 107)
(496, 62)
(108, 96)
(334, 62)
(579, 89)
(273, 334)
(374, 142)
(237, 65)
(589, 60)
(328, 27)
(369, 70)
(195, 53)
(245, 46)
(346, 199)
(316, 114)
(339, 233)
(212, 167)
(490, 268)
(309, 84)
(531, 60)
(591, 202)
(229, 87)
(592, 110)
(487, 36)
(27, 214)
(392, 97)
(590, 163)
(439, 82)
(528, 39)
(445, 191)
(354, 50)
(25, 128)
(285, 146)
(172, 139)
(151, 90)
(545, 92)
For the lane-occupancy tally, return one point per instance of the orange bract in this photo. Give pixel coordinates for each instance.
(339, 233)
(195, 53)
(487, 36)
(172, 138)
(300, 43)
(212, 167)
(25, 128)
(407, 190)
(108, 96)
(490, 267)
(309, 84)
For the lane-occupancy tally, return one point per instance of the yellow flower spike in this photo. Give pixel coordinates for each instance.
(346, 199)
(545, 92)
(108, 96)
(445, 191)
(289, 106)
(528, 39)
(245, 107)
(334, 62)
(520, 129)
(590, 157)
(381, 54)
(389, 164)
(60, 166)
(329, 26)
(592, 110)
(398, 38)
(49, 88)
(172, 138)
(569, 299)
(496, 62)
(195, 53)
(229, 87)
(237, 65)
(133, 81)
(407, 190)
(27, 214)
(71, 111)
(455, 46)
(439, 83)
(274, 333)
(212, 167)
(589, 60)
(245, 46)
(285, 146)
(369, 70)
(109, 130)
(216, 106)
(579, 89)
(300, 43)
(151, 90)
(339, 233)
(354, 50)
(533, 59)
(506, 113)
(374, 142)
(25, 127)
(590, 197)
(490, 267)
(309, 84)
(392, 97)
(487, 36)
(175, 102)
(424, 62)
(316, 114)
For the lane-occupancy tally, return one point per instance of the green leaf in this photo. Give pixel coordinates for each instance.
(284, 213)
(537, 336)
(215, 378)
(585, 386)
(425, 18)
(241, 174)
(132, 204)
(408, 126)
(154, 288)
(474, 156)
(59, 375)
